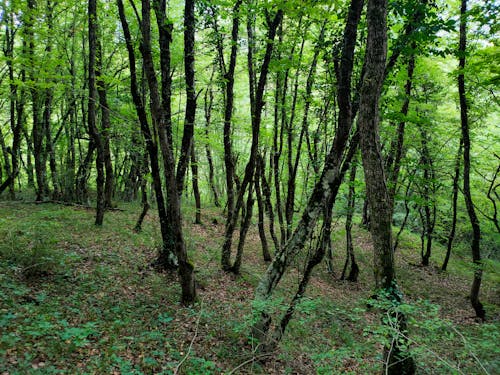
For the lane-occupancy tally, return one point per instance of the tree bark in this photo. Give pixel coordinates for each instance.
(398, 361)
(351, 203)
(260, 205)
(209, 97)
(105, 129)
(196, 188)
(92, 126)
(454, 200)
(464, 119)
(189, 118)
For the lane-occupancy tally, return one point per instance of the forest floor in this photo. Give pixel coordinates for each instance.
(76, 299)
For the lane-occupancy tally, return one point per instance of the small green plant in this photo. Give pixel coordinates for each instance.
(77, 337)
(197, 365)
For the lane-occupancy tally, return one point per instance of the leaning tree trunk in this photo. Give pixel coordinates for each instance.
(476, 231)
(324, 193)
(398, 361)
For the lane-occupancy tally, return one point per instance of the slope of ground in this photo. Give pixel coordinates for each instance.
(76, 299)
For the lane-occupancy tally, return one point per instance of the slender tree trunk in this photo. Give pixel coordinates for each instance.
(398, 361)
(187, 137)
(92, 113)
(351, 202)
(196, 188)
(290, 137)
(277, 150)
(245, 225)
(396, 152)
(209, 97)
(228, 79)
(38, 132)
(16, 107)
(186, 269)
(105, 129)
(144, 193)
(429, 217)
(293, 161)
(266, 196)
(476, 230)
(83, 174)
(260, 206)
(454, 200)
(407, 214)
(161, 112)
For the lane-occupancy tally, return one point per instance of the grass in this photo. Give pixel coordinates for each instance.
(76, 299)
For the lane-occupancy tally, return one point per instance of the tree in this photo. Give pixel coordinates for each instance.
(464, 120)
(256, 107)
(398, 361)
(92, 113)
(321, 199)
(170, 214)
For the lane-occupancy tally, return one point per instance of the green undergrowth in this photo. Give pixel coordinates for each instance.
(77, 299)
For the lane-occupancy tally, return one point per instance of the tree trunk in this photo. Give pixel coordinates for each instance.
(260, 206)
(209, 97)
(396, 152)
(398, 361)
(266, 193)
(187, 136)
(476, 230)
(454, 199)
(245, 225)
(228, 79)
(407, 214)
(38, 132)
(429, 217)
(105, 129)
(351, 202)
(144, 194)
(196, 188)
(92, 114)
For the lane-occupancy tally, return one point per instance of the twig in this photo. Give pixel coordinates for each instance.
(177, 368)
(433, 353)
(471, 352)
(253, 359)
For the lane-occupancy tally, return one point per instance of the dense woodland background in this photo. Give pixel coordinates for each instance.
(249, 186)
